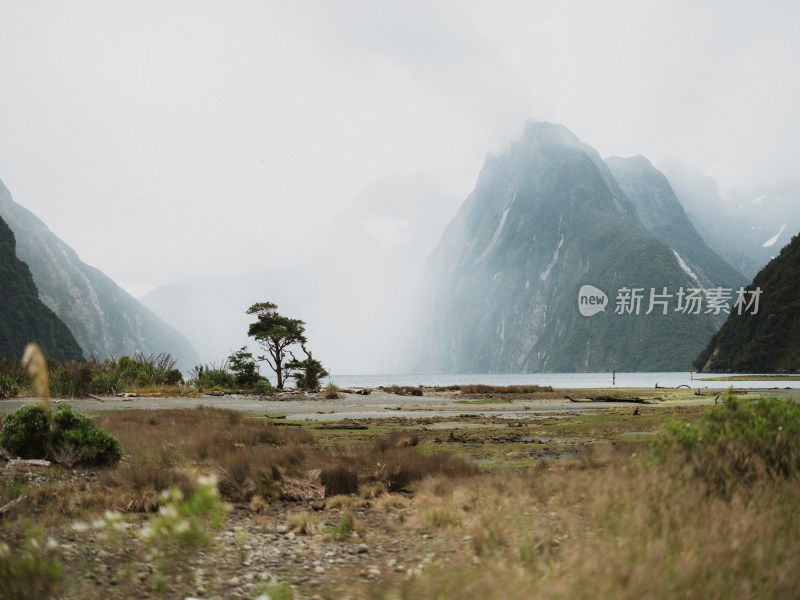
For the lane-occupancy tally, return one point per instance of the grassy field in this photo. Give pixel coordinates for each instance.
(545, 505)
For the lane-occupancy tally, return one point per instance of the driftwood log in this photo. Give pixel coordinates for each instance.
(36, 462)
(10, 505)
(356, 390)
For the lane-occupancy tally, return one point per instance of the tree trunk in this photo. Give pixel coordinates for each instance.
(279, 372)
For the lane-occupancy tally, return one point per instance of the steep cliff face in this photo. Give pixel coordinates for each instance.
(545, 219)
(661, 214)
(106, 320)
(766, 341)
(23, 316)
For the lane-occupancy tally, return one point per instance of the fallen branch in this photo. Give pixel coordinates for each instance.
(95, 398)
(356, 390)
(10, 505)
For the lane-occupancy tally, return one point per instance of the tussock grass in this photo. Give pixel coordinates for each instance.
(248, 455)
(339, 478)
(616, 531)
(304, 522)
(206, 433)
(403, 390)
(139, 484)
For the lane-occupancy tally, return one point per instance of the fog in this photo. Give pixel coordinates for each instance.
(228, 147)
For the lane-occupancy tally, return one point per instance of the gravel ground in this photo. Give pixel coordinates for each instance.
(377, 404)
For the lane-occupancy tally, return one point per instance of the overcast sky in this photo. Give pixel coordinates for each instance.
(168, 140)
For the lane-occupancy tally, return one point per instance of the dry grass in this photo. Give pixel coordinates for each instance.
(206, 433)
(615, 531)
(304, 522)
(504, 389)
(255, 458)
(248, 455)
(602, 525)
(137, 485)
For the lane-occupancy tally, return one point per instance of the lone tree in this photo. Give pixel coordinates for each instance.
(276, 334)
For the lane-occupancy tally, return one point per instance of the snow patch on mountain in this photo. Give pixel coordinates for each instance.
(774, 239)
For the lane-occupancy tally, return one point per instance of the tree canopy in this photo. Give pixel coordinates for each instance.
(275, 333)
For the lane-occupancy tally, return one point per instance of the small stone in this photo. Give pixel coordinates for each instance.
(363, 549)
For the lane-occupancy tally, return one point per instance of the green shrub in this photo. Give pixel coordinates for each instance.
(13, 378)
(306, 373)
(736, 443)
(71, 379)
(105, 382)
(62, 384)
(68, 437)
(173, 377)
(210, 377)
(76, 434)
(331, 392)
(8, 386)
(263, 387)
(141, 370)
(244, 368)
(25, 432)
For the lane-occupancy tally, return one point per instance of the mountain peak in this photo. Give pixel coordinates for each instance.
(546, 219)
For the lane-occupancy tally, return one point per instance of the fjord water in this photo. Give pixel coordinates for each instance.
(560, 380)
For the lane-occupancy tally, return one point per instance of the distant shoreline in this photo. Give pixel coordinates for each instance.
(751, 378)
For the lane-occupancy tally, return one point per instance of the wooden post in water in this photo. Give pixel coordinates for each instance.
(614, 377)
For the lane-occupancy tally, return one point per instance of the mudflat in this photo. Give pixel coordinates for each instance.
(379, 403)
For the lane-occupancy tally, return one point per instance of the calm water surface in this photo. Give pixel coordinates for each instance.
(557, 380)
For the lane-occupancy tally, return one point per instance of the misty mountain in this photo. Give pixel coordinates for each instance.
(546, 218)
(749, 227)
(23, 317)
(767, 341)
(355, 297)
(105, 320)
(661, 214)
